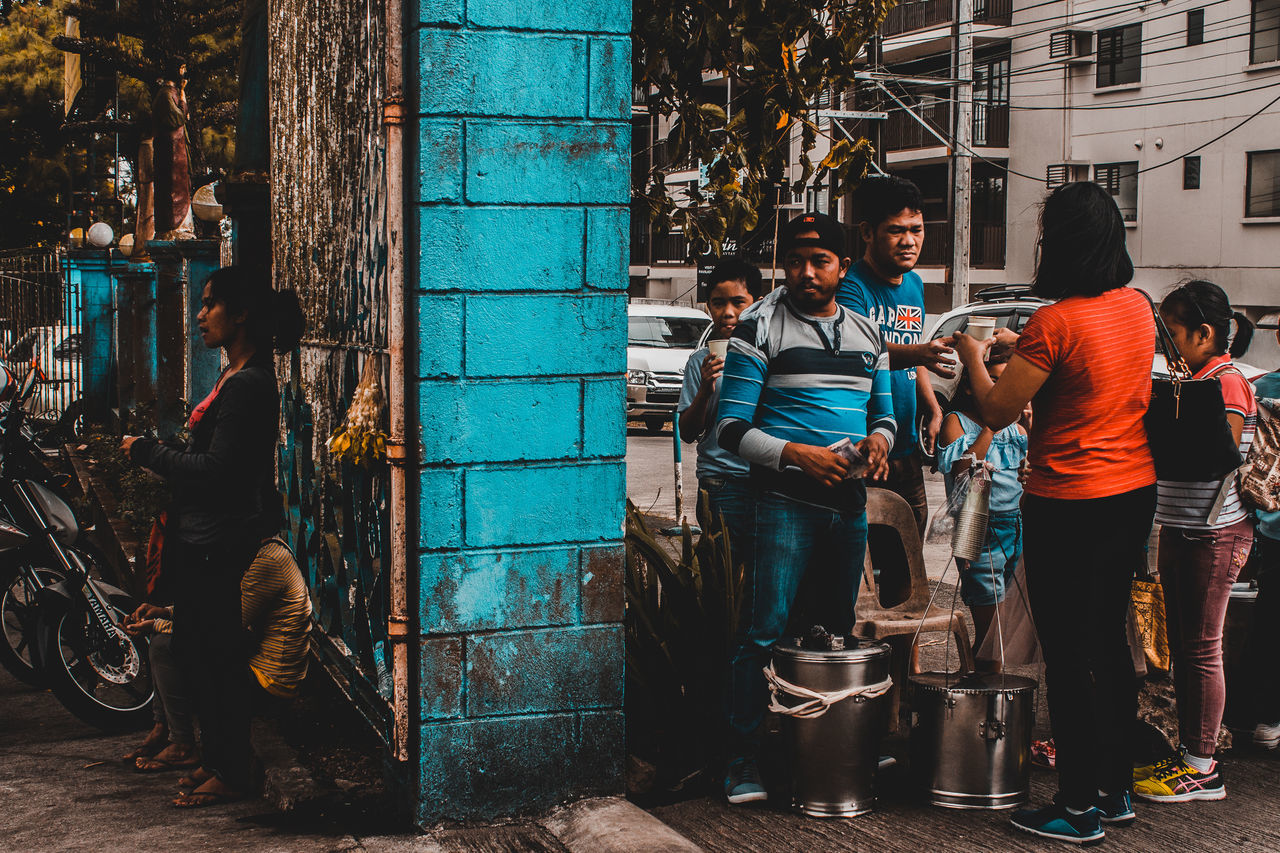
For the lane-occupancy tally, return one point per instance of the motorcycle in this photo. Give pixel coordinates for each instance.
(63, 623)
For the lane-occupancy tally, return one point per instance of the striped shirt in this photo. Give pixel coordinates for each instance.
(1088, 439)
(1189, 505)
(276, 607)
(790, 377)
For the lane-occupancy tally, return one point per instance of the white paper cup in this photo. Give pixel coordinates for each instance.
(981, 328)
(719, 347)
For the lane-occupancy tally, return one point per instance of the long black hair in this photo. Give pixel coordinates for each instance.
(1082, 243)
(1196, 302)
(275, 322)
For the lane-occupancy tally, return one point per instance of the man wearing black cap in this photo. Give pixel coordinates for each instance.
(805, 399)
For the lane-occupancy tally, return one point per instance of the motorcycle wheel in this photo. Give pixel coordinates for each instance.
(103, 679)
(18, 624)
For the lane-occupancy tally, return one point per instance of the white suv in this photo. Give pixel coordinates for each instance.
(1011, 304)
(660, 339)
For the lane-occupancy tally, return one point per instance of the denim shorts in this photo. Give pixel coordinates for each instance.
(984, 581)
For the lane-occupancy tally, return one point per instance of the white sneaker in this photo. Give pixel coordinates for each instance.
(1267, 737)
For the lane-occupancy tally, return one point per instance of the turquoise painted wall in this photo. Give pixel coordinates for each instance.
(522, 184)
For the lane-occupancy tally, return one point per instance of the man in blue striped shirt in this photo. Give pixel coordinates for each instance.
(802, 375)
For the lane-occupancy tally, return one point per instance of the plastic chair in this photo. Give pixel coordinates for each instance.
(893, 538)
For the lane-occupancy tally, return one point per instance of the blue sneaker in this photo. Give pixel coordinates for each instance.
(1054, 821)
(1115, 809)
(742, 783)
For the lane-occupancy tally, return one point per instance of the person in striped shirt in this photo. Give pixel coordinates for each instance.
(1205, 538)
(802, 375)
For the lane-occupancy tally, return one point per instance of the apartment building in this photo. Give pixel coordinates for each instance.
(1173, 106)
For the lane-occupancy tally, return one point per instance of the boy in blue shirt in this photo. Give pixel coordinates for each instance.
(802, 374)
(883, 286)
(733, 285)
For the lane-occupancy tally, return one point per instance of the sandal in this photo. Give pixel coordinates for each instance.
(196, 779)
(147, 748)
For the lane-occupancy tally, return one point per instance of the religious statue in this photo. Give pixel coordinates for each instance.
(173, 220)
(144, 216)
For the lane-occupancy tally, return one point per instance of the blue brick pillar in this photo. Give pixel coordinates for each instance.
(170, 338)
(522, 187)
(93, 268)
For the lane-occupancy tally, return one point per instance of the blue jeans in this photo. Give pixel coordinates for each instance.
(731, 499)
(788, 535)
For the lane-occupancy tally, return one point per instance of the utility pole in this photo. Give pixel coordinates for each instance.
(961, 161)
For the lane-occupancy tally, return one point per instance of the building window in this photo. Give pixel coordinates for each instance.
(1191, 173)
(1195, 27)
(1056, 174)
(1262, 184)
(1264, 31)
(1121, 180)
(1120, 55)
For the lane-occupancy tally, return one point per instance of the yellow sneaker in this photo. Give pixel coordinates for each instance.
(1148, 770)
(1181, 783)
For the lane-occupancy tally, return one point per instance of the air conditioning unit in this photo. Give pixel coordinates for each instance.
(1074, 46)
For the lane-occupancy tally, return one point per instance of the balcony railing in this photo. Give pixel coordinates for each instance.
(902, 131)
(916, 15)
(922, 14)
(986, 245)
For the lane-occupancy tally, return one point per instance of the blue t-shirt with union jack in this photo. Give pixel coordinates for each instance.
(898, 309)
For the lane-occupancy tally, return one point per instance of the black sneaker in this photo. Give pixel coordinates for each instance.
(1054, 821)
(742, 783)
(1115, 809)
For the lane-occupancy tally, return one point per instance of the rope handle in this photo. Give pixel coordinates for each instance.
(817, 703)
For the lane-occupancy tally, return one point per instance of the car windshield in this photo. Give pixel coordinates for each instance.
(665, 332)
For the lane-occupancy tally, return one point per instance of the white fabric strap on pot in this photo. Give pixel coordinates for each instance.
(817, 703)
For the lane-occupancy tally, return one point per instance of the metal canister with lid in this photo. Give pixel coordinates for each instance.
(971, 738)
(834, 741)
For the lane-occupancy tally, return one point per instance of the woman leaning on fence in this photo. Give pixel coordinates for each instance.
(224, 504)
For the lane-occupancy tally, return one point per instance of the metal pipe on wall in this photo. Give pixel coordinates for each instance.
(399, 620)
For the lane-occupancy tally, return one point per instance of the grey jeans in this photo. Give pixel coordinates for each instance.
(172, 704)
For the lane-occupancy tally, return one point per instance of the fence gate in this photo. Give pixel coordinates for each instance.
(40, 304)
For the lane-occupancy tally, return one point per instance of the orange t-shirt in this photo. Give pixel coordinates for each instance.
(1087, 438)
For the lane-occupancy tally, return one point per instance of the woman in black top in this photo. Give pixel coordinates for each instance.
(224, 504)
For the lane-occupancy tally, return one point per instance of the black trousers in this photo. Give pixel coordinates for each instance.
(213, 649)
(1261, 661)
(1080, 561)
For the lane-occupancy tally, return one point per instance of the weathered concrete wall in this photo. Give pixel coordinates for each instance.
(521, 190)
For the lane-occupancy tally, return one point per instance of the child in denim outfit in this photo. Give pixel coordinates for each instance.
(983, 583)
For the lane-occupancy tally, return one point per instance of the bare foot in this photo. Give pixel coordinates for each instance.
(175, 756)
(213, 792)
(154, 742)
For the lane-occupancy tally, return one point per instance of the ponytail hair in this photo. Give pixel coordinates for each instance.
(1197, 302)
(275, 321)
(1243, 335)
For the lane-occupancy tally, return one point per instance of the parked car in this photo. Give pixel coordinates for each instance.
(660, 339)
(55, 350)
(1011, 304)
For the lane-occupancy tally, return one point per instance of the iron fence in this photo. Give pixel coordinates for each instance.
(40, 304)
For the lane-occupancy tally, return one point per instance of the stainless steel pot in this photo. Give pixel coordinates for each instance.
(834, 756)
(971, 739)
